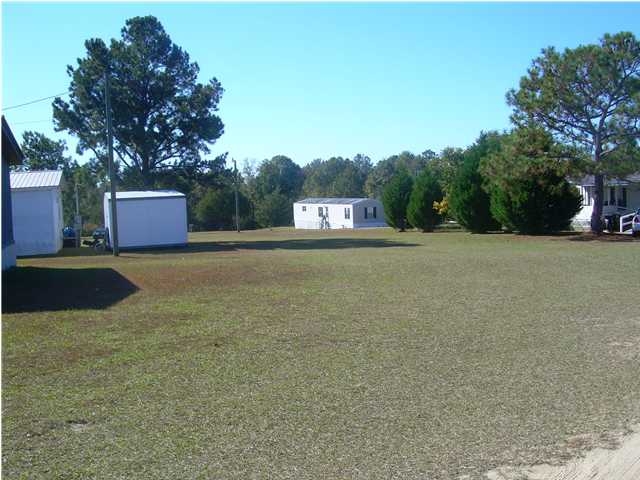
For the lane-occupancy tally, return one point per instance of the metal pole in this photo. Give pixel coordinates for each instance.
(113, 232)
(235, 183)
(78, 222)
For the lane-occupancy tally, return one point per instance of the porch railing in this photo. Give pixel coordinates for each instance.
(625, 222)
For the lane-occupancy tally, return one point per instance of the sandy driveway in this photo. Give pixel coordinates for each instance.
(622, 463)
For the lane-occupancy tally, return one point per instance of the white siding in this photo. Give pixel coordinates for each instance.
(310, 219)
(306, 215)
(149, 222)
(583, 217)
(37, 221)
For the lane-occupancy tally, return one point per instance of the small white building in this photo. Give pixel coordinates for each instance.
(621, 199)
(336, 213)
(36, 200)
(148, 219)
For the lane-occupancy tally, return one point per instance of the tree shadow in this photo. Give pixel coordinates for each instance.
(32, 289)
(292, 244)
(604, 237)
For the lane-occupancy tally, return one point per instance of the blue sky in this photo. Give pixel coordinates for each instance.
(317, 80)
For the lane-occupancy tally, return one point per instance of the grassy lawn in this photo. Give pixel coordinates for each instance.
(318, 355)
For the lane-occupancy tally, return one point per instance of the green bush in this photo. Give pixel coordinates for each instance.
(469, 203)
(420, 211)
(395, 199)
(527, 183)
(543, 203)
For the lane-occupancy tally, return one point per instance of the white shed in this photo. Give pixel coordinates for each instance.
(149, 218)
(36, 201)
(336, 213)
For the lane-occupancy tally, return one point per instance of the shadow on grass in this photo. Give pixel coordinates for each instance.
(228, 246)
(293, 244)
(605, 237)
(32, 289)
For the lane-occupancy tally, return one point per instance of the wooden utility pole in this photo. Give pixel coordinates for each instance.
(235, 183)
(113, 232)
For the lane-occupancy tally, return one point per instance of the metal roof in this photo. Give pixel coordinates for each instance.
(145, 194)
(10, 149)
(338, 201)
(36, 179)
(589, 180)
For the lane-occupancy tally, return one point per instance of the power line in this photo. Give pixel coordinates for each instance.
(36, 101)
(30, 121)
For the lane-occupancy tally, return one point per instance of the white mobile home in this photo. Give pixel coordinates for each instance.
(148, 219)
(336, 213)
(621, 199)
(36, 201)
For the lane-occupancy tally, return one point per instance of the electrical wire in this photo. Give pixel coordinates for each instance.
(36, 101)
(31, 121)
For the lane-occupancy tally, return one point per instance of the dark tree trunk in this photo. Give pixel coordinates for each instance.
(598, 193)
(598, 202)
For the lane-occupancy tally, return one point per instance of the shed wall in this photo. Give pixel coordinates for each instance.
(37, 221)
(149, 222)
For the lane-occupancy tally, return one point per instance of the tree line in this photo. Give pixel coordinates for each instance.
(575, 113)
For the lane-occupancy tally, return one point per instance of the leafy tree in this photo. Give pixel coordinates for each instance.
(216, 210)
(274, 209)
(421, 211)
(384, 170)
(43, 153)
(91, 188)
(336, 177)
(527, 183)
(280, 174)
(445, 166)
(588, 97)
(162, 117)
(468, 201)
(395, 199)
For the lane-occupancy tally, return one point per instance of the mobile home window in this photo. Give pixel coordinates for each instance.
(370, 212)
(612, 196)
(623, 201)
(347, 213)
(319, 211)
(304, 208)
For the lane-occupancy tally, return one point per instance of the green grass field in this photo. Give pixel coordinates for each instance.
(283, 354)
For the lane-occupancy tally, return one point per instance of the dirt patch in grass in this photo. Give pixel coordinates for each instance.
(180, 278)
(50, 361)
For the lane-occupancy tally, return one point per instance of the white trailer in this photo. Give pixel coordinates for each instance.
(36, 200)
(148, 219)
(337, 213)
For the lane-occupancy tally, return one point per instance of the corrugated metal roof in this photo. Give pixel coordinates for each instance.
(37, 179)
(338, 201)
(145, 194)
